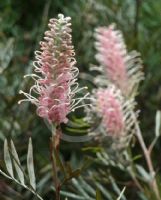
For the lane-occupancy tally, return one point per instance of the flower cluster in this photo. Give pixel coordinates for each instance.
(55, 73)
(121, 68)
(108, 103)
(109, 107)
(121, 73)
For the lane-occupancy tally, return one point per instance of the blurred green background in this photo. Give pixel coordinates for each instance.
(22, 24)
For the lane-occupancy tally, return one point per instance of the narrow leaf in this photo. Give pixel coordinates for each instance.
(98, 195)
(122, 192)
(7, 159)
(145, 175)
(17, 164)
(116, 188)
(157, 123)
(72, 196)
(103, 190)
(87, 187)
(142, 196)
(80, 189)
(75, 173)
(30, 165)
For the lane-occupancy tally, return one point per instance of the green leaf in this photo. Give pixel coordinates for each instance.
(92, 149)
(86, 186)
(104, 191)
(86, 163)
(75, 173)
(30, 165)
(121, 194)
(137, 157)
(73, 124)
(98, 195)
(157, 123)
(17, 164)
(7, 159)
(145, 175)
(72, 196)
(116, 188)
(76, 131)
(72, 175)
(80, 189)
(142, 196)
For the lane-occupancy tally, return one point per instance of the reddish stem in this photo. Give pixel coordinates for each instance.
(54, 146)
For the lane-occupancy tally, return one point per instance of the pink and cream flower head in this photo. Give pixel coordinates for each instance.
(55, 74)
(119, 67)
(110, 106)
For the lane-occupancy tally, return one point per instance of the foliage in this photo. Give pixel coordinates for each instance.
(22, 27)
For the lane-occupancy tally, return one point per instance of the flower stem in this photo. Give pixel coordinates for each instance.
(146, 152)
(54, 145)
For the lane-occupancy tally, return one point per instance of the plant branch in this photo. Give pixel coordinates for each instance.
(152, 145)
(146, 152)
(23, 185)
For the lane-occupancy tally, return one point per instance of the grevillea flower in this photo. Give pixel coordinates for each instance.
(109, 105)
(123, 69)
(55, 73)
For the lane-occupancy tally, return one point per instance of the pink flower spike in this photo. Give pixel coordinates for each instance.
(114, 111)
(121, 68)
(110, 109)
(55, 73)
